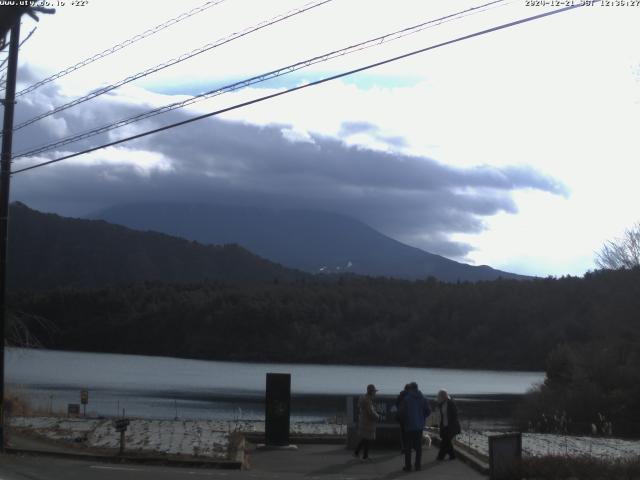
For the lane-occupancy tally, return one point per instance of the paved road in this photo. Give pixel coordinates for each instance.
(309, 462)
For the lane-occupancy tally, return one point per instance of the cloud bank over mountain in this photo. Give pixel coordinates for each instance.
(412, 198)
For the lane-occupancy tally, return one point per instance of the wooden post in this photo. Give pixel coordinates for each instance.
(5, 180)
(122, 442)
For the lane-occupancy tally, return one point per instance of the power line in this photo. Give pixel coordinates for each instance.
(254, 80)
(27, 37)
(261, 78)
(174, 61)
(121, 45)
(3, 67)
(307, 85)
(3, 83)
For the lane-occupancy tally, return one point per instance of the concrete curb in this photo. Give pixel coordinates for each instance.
(473, 461)
(235, 464)
(236, 460)
(257, 438)
(465, 456)
(240, 454)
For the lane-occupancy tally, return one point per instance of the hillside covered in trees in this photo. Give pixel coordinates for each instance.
(233, 245)
(307, 240)
(504, 324)
(48, 251)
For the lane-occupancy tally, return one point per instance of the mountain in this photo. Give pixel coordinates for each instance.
(307, 240)
(47, 250)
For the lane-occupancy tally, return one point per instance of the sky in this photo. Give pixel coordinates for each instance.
(516, 149)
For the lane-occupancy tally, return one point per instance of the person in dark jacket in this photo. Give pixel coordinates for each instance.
(449, 424)
(414, 411)
(401, 396)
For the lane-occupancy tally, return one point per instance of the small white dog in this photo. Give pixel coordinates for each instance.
(426, 439)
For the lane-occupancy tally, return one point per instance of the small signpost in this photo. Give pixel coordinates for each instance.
(84, 399)
(121, 425)
(73, 409)
(385, 407)
(388, 429)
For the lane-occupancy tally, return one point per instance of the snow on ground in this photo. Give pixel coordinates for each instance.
(208, 438)
(56, 428)
(296, 428)
(174, 437)
(187, 437)
(539, 444)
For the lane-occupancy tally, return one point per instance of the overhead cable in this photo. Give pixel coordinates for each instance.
(121, 45)
(258, 79)
(3, 68)
(304, 86)
(174, 61)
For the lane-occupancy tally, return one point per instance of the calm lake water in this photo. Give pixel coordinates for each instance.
(162, 387)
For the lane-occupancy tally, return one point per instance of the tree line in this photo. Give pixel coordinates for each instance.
(504, 324)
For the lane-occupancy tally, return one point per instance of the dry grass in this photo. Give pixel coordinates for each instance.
(579, 468)
(16, 405)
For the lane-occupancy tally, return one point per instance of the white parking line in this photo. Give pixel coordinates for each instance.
(207, 474)
(130, 469)
(125, 469)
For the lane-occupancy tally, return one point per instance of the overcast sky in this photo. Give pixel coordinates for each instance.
(518, 149)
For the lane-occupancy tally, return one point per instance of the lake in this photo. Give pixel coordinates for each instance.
(163, 387)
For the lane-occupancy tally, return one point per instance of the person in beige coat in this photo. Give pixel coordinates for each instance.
(367, 421)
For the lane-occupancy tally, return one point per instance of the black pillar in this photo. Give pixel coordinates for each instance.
(277, 409)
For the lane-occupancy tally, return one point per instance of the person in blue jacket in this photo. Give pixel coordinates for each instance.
(414, 411)
(400, 421)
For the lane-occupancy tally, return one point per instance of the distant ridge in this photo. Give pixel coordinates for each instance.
(307, 240)
(47, 251)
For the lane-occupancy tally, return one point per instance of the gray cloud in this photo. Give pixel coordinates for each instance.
(352, 128)
(414, 199)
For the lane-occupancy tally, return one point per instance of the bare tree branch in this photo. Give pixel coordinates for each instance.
(19, 332)
(623, 252)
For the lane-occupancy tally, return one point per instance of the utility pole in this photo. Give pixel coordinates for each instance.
(5, 178)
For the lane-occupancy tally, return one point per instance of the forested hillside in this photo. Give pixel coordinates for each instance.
(505, 324)
(307, 240)
(47, 251)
